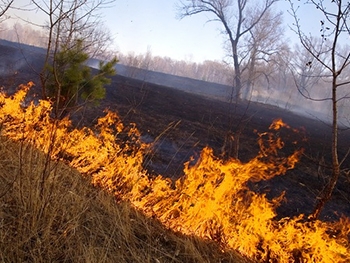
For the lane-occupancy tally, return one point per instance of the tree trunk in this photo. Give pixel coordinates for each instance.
(248, 88)
(327, 193)
(238, 84)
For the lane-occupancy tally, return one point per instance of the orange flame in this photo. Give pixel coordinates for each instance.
(212, 200)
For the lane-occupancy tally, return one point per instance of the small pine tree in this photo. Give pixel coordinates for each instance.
(71, 81)
(94, 86)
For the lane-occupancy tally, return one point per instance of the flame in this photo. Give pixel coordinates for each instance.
(212, 199)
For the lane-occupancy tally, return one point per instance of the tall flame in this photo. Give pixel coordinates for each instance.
(212, 199)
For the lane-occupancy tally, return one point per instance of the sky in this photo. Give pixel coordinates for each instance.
(139, 26)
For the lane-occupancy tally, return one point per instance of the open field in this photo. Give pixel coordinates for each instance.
(176, 126)
(180, 124)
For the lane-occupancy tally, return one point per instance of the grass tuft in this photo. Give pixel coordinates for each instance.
(50, 213)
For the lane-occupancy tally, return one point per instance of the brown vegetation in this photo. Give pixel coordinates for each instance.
(212, 200)
(71, 221)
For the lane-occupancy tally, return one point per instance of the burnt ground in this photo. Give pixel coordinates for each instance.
(179, 125)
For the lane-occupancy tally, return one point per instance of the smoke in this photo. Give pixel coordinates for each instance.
(16, 57)
(281, 92)
(296, 103)
(288, 97)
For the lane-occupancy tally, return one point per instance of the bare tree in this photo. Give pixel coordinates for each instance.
(308, 73)
(4, 7)
(70, 23)
(335, 59)
(264, 41)
(237, 17)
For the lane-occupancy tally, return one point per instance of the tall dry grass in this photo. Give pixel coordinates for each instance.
(50, 213)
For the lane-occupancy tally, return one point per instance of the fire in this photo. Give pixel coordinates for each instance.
(278, 124)
(212, 200)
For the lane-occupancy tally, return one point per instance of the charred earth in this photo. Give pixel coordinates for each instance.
(178, 124)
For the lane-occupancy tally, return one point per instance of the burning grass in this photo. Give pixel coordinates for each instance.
(211, 201)
(65, 219)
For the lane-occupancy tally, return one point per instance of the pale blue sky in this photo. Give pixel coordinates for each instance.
(139, 25)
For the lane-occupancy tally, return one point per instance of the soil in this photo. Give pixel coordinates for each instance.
(180, 124)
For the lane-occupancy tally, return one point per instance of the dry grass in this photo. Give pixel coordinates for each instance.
(50, 213)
